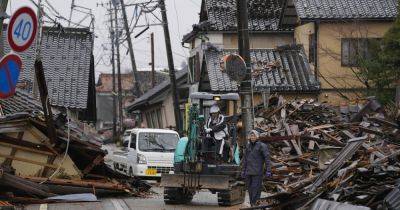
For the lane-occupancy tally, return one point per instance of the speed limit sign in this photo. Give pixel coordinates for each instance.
(22, 29)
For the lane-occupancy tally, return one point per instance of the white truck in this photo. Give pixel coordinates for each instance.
(147, 153)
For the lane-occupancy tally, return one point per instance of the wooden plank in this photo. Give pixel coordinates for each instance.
(8, 161)
(25, 144)
(43, 138)
(27, 149)
(28, 161)
(94, 163)
(293, 141)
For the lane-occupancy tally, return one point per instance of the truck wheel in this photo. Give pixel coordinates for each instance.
(174, 195)
(232, 197)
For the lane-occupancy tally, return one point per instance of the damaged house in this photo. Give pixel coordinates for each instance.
(284, 69)
(67, 56)
(303, 48)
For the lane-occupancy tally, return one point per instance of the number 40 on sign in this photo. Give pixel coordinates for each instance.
(22, 29)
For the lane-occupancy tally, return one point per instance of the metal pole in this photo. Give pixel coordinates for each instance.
(70, 13)
(245, 87)
(3, 8)
(131, 53)
(114, 128)
(171, 67)
(240, 26)
(153, 76)
(119, 74)
(41, 80)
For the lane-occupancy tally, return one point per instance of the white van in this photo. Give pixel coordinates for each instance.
(147, 153)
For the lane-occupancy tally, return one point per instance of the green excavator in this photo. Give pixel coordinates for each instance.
(196, 168)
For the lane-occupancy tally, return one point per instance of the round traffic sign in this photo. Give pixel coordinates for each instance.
(10, 67)
(22, 29)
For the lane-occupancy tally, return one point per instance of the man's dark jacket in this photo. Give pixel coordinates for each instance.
(255, 155)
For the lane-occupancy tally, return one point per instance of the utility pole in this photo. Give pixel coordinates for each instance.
(114, 107)
(130, 46)
(153, 76)
(171, 67)
(245, 86)
(119, 72)
(240, 26)
(3, 8)
(70, 13)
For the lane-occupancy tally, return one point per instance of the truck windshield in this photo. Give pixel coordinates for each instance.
(157, 142)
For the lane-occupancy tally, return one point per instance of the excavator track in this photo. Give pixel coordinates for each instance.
(174, 195)
(232, 197)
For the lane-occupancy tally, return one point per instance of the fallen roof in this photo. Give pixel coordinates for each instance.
(346, 9)
(66, 56)
(20, 102)
(292, 71)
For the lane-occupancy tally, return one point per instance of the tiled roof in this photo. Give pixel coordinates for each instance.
(346, 9)
(66, 57)
(157, 89)
(104, 83)
(290, 70)
(263, 15)
(20, 102)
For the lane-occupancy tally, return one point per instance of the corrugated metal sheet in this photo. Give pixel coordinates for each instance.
(392, 200)
(349, 9)
(321, 204)
(292, 73)
(347, 152)
(66, 59)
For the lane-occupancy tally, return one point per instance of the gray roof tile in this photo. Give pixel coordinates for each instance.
(293, 73)
(20, 102)
(346, 9)
(66, 59)
(263, 15)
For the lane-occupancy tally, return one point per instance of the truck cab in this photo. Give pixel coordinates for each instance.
(147, 153)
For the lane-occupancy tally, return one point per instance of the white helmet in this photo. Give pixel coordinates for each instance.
(214, 109)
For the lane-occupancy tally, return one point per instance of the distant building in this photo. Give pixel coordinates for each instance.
(104, 94)
(155, 108)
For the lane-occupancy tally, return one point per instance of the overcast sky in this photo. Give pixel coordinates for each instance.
(182, 14)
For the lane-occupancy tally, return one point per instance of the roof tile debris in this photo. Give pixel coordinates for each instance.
(290, 70)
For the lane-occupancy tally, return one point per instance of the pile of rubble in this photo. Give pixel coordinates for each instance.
(35, 168)
(346, 154)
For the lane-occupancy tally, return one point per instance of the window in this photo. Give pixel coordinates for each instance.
(311, 48)
(353, 49)
(133, 141)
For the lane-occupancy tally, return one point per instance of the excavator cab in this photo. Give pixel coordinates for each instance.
(196, 168)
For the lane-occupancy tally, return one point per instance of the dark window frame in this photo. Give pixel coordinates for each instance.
(354, 48)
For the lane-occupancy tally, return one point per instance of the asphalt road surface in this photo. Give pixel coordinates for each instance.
(202, 200)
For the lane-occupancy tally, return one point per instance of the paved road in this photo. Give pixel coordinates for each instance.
(202, 200)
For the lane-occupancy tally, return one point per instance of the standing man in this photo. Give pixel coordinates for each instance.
(255, 155)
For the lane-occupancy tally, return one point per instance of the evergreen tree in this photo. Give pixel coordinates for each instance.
(382, 68)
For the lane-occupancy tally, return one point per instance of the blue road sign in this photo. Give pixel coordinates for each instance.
(10, 67)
